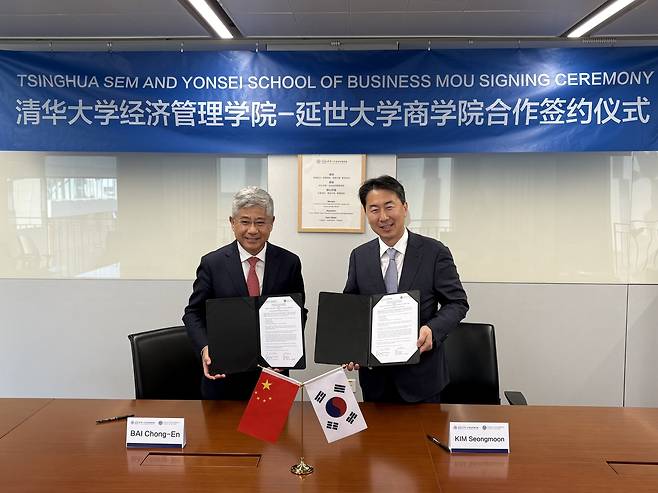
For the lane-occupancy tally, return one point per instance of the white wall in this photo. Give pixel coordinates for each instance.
(69, 338)
(557, 343)
(642, 347)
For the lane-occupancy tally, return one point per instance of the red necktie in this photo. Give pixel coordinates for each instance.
(252, 278)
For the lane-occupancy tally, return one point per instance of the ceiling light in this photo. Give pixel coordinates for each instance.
(209, 15)
(598, 18)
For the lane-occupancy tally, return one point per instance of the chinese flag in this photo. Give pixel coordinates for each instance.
(269, 405)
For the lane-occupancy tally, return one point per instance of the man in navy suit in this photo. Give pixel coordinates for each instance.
(249, 266)
(400, 260)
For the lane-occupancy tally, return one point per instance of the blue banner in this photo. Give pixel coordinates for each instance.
(439, 101)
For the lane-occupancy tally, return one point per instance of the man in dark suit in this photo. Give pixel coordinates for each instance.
(249, 266)
(400, 260)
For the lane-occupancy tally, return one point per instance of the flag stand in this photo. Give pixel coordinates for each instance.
(302, 468)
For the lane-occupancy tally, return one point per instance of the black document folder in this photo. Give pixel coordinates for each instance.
(234, 334)
(344, 329)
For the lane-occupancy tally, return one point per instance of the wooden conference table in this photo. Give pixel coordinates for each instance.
(56, 446)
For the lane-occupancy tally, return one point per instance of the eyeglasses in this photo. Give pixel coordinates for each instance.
(258, 224)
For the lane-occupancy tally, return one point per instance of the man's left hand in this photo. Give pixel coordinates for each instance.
(424, 342)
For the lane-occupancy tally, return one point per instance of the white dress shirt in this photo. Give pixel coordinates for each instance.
(260, 265)
(400, 250)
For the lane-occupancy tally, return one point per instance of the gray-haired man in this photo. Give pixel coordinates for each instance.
(249, 266)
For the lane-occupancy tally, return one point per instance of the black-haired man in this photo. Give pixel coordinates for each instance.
(416, 262)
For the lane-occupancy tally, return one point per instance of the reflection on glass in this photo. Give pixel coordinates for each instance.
(432, 198)
(579, 217)
(26, 218)
(133, 216)
(81, 203)
(643, 227)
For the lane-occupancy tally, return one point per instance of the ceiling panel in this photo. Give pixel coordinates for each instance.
(329, 6)
(461, 24)
(255, 6)
(641, 21)
(266, 25)
(315, 18)
(379, 5)
(100, 25)
(413, 17)
(66, 7)
(80, 18)
(331, 25)
(580, 6)
(437, 5)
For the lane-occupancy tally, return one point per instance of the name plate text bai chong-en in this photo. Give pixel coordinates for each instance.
(155, 432)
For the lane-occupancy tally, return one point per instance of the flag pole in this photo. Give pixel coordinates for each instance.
(302, 468)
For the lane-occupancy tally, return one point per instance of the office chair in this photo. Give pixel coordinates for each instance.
(473, 367)
(165, 365)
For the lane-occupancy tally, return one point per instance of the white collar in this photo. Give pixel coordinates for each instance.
(400, 246)
(245, 255)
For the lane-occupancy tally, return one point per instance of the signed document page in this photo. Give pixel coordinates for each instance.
(394, 328)
(281, 334)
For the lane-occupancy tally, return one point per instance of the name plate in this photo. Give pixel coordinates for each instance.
(155, 432)
(479, 437)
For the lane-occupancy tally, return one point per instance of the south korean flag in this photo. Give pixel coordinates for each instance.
(335, 405)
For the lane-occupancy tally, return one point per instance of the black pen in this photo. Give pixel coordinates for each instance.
(436, 441)
(114, 418)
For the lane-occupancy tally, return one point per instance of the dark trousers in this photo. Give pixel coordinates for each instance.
(237, 387)
(391, 394)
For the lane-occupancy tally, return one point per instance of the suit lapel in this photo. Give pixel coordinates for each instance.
(234, 270)
(412, 261)
(374, 267)
(272, 266)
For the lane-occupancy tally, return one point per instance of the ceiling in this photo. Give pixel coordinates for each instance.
(298, 21)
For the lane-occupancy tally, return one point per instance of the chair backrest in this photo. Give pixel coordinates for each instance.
(472, 364)
(165, 365)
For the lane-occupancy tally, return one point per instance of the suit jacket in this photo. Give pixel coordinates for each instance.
(429, 268)
(220, 275)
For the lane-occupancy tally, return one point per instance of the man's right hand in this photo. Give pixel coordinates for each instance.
(351, 366)
(205, 361)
